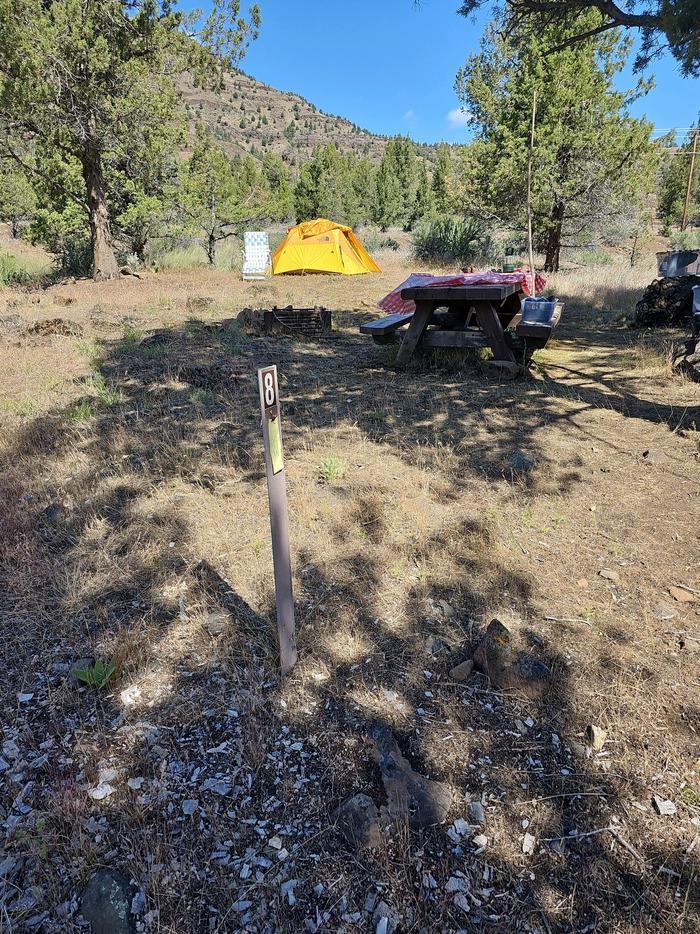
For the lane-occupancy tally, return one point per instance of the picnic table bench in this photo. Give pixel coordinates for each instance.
(464, 316)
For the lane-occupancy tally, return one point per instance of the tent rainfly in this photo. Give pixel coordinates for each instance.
(322, 246)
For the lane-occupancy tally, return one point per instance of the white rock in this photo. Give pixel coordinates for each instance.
(24, 698)
(135, 783)
(275, 843)
(461, 901)
(480, 840)
(189, 806)
(666, 808)
(130, 695)
(103, 790)
(528, 844)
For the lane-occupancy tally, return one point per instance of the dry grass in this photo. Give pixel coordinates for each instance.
(165, 521)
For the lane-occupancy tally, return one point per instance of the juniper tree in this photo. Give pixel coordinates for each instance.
(218, 198)
(672, 24)
(590, 156)
(78, 76)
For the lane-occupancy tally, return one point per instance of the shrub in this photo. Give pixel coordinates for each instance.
(11, 273)
(332, 468)
(686, 240)
(453, 240)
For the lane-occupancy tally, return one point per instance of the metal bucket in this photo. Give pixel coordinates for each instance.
(679, 263)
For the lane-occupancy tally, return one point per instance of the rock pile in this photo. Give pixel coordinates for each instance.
(666, 302)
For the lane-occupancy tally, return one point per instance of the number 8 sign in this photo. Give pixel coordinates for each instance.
(279, 521)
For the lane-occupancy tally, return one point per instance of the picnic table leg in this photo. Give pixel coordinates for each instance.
(422, 315)
(491, 326)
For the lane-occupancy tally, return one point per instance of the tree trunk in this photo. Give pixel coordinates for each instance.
(14, 227)
(211, 249)
(104, 263)
(553, 250)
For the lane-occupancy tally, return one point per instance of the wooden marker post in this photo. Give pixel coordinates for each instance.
(279, 520)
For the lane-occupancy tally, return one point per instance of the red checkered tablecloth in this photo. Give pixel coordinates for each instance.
(393, 304)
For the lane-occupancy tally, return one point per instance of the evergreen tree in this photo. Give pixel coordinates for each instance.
(425, 200)
(590, 157)
(218, 198)
(442, 181)
(325, 187)
(17, 198)
(78, 76)
(674, 182)
(276, 180)
(389, 201)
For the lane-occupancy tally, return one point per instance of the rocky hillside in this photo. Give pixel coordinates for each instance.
(248, 116)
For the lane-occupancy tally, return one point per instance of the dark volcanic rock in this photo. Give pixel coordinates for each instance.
(106, 902)
(410, 795)
(666, 302)
(358, 822)
(508, 670)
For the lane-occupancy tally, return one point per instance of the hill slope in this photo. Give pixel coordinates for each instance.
(248, 116)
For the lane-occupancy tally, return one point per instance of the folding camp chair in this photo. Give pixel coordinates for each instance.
(257, 258)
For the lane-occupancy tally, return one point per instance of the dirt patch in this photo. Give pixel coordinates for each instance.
(135, 530)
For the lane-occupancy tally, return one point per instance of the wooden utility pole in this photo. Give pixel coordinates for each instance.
(686, 206)
(529, 195)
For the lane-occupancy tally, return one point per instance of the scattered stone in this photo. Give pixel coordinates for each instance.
(521, 462)
(425, 802)
(582, 582)
(189, 806)
(596, 737)
(387, 918)
(528, 844)
(434, 645)
(101, 791)
(664, 611)
(275, 843)
(680, 595)
(462, 671)
(138, 903)
(520, 673)
(24, 698)
(609, 575)
(456, 884)
(128, 271)
(217, 623)
(106, 902)
(129, 696)
(480, 841)
(135, 783)
(477, 813)
(664, 807)
(357, 821)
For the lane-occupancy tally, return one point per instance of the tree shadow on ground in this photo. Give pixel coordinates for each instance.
(116, 569)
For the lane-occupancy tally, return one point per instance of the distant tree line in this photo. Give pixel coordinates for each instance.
(96, 159)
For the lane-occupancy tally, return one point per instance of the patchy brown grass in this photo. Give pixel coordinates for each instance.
(164, 520)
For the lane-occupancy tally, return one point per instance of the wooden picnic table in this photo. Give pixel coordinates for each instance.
(462, 316)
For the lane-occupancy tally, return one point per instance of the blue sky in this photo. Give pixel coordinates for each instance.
(390, 65)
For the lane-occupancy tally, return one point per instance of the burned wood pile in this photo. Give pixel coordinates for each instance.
(667, 302)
